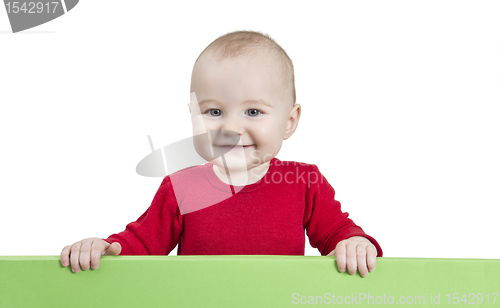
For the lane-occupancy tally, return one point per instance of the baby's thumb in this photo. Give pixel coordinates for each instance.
(114, 249)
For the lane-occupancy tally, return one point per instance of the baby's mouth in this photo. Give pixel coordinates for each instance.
(225, 146)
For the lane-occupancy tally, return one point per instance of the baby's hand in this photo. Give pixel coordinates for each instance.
(88, 252)
(357, 252)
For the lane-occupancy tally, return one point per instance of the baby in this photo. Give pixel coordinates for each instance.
(243, 201)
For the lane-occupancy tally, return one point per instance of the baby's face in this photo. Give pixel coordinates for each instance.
(245, 98)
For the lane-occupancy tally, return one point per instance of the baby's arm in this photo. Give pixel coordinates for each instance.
(156, 232)
(358, 253)
(333, 233)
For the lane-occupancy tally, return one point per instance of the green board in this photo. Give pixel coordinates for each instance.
(246, 281)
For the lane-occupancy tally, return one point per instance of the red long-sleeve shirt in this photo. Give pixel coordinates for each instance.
(195, 209)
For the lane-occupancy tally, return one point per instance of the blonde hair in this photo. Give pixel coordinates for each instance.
(244, 43)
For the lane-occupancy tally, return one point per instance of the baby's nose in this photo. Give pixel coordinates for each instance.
(232, 125)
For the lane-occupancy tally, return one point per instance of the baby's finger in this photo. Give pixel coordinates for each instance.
(85, 254)
(371, 257)
(340, 252)
(96, 251)
(65, 255)
(352, 264)
(361, 256)
(75, 256)
(114, 249)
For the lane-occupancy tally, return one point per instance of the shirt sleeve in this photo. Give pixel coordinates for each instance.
(325, 223)
(157, 231)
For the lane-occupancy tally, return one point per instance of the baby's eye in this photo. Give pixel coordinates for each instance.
(254, 112)
(214, 112)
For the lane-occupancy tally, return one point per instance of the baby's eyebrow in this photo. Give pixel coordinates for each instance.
(258, 101)
(208, 101)
(254, 101)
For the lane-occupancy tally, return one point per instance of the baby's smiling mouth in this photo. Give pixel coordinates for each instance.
(226, 146)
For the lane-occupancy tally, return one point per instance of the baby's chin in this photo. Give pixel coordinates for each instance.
(233, 164)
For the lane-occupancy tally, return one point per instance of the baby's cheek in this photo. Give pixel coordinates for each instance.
(273, 145)
(272, 129)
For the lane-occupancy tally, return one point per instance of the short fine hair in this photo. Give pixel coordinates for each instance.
(244, 43)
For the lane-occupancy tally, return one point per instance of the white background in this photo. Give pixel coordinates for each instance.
(400, 102)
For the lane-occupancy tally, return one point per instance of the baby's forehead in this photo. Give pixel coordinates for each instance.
(258, 55)
(270, 63)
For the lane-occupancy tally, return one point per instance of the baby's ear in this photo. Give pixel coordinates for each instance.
(293, 121)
